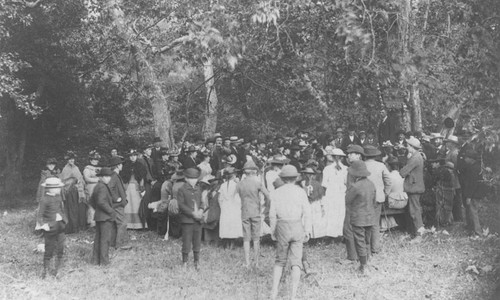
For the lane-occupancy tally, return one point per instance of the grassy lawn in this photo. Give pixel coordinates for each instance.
(433, 269)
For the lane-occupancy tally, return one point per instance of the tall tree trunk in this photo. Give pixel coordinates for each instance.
(416, 111)
(210, 124)
(159, 102)
(13, 129)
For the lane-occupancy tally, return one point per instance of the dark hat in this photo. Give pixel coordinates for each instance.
(114, 161)
(227, 138)
(217, 135)
(295, 148)
(51, 161)
(279, 136)
(358, 169)
(150, 146)
(132, 152)
(355, 149)
(435, 158)
(164, 152)
(191, 148)
(157, 139)
(94, 155)
(471, 153)
(289, 171)
(351, 127)
(210, 140)
(192, 173)
(247, 140)
(308, 171)
(105, 172)
(371, 151)
(70, 155)
(393, 160)
(178, 175)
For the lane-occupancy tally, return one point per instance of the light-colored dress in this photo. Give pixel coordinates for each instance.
(334, 201)
(205, 169)
(230, 226)
(134, 203)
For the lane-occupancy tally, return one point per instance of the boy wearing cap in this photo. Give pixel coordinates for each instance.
(290, 218)
(52, 219)
(119, 197)
(249, 190)
(361, 200)
(191, 209)
(105, 217)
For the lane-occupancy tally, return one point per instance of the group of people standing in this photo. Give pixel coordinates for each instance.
(294, 188)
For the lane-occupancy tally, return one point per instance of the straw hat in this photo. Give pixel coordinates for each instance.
(308, 171)
(289, 171)
(231, 159)
(52, 182)
(414, 142)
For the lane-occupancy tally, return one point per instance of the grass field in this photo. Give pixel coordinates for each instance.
(441, 267)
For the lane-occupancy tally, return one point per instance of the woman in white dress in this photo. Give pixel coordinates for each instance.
(133, 175)
(334, 181)
(204, 166)
(230, 227)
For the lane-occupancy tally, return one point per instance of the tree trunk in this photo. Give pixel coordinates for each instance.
(13, 129)
(210, 124)
(416, 109)
(159, 102)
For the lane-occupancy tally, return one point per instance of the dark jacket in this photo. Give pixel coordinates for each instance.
(48, 207)
(187, 196)
(117, 190)
(189, 162)
(133, 168)
(387, 130)
(471, 178)
(413, 173)
(346, 141)
(360, 199)
(103, 204)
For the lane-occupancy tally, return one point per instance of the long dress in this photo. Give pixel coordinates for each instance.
(230, 226)
(134, 203)
(73, 196)
(91, 180)
(334, 201)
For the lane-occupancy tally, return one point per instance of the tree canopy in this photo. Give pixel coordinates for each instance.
(85, 74)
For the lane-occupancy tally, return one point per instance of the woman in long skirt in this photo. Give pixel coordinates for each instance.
(74, 195)
(133, 175)
(334, 181)
(230, 226)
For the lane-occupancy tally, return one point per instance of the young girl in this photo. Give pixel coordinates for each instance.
(52, 219)
(230, 205)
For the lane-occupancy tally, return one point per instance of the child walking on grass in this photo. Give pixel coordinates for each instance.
(52, 220)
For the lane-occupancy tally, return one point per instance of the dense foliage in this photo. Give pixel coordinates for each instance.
(82, 74)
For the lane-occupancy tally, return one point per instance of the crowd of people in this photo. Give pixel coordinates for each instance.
(294, 188)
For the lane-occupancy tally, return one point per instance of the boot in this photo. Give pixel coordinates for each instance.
(196, 256)
(46, 267)
(362, 267)
(184, 259)
(57, 265)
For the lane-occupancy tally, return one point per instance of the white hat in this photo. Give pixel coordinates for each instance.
(338, 152)
(414, 142)
(452, 139)
(53, 182)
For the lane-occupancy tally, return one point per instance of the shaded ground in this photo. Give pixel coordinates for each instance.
(434, 269)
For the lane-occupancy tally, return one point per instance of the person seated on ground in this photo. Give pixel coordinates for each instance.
(290, 218)
(52, 220)
(361, 200)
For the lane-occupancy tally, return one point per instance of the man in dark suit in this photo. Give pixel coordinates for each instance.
(387, 128)
(119, 198)
(190, 161)
(350, 139)
(105, 217)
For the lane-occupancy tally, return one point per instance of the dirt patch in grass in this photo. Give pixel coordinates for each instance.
(443, 266)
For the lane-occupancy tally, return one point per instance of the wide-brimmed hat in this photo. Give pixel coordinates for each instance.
(279, 160)
(206, 179)
(94, 155)
(105, 172)
(114, 161)
(355, 149)
(387, 144)
(52, 182)
(452, 139)
(231, 159)
(289, 171)
(132, 152)
(358, 169)
(414, 142)
(51, 161)
(426, 138)
(250, 165)
(192, 173)
(191, 148)
(436, 135)
(70, 155)
(308, 170)
(337, 152)
(371, 151)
